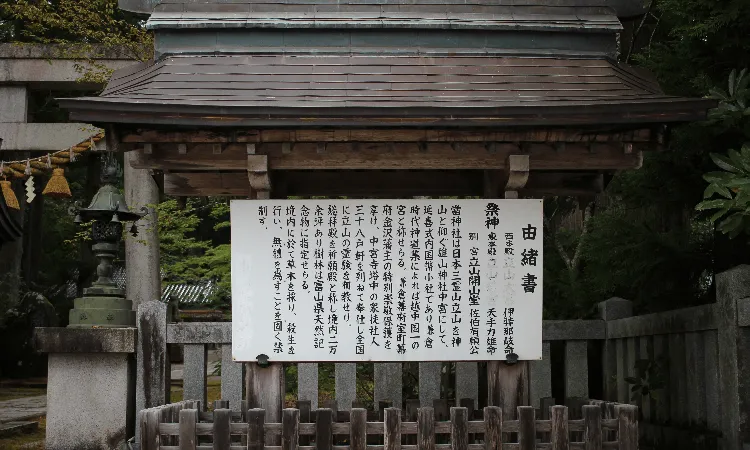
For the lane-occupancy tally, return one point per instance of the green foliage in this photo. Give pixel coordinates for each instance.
(185, 256)
(650, 378)
(727, 196)
(82, 30)
(728, 192)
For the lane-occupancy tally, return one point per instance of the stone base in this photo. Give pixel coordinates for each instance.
(89, 401)
(90, 387)
(102, 306)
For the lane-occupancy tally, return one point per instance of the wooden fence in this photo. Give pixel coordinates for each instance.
(183, 426)
(575, 338)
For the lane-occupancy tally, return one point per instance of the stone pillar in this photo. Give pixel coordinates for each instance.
(346, 385)
(152, 365)
(576, 369)
(612, 309)
(90, 387)
(732, 294)
(389, 383)
(430, 374)
(142, 252)
(540, 384)
(307, 383)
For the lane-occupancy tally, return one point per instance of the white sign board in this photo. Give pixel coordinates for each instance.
(386, 280)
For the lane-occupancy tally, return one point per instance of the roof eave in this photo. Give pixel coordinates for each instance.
(668, 110)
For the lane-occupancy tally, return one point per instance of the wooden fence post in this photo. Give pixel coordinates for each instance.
(459, 429)
(324, 429)
(289, 429)
(358, 429)
(392, 429)
(627, 427)
(149, 429)
(188, 437)
(152, 358)
(592, 421)
(256, 434)
(733, 311)
(265, 389)
(526, 428)
(493, 428)
(222, 437)
(425, 429)
(560, 437)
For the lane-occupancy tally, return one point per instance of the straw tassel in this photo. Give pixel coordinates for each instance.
(57, 186)
(10, 197)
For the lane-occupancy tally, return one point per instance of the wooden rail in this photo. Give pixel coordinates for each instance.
(181, 426)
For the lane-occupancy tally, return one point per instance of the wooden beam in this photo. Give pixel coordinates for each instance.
(376, 183)
(387, 135)
(385, 156)
(517, 172)
(257, 173)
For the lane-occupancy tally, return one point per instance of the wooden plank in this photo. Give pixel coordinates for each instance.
(221, 436)
(695, 382)
(425, 429)
(166, 417)
(199, 333)
(712, 387)
(493, 431)
(387, 135)
(290, 429)
(627, 430)
(397, 156)
(256, 434)
(697, 318)
(188, 437)
(358, 431)
(592, 419)
(150, 438)
(560, 435)
(376, 183)
(677, 385)
(392, 429)
(323, 429)
(526, 428)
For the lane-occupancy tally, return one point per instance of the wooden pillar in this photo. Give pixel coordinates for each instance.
(508, 384)
(141, 252)
(265, 386)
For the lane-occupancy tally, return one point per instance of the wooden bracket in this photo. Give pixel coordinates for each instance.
(257, 173)
(517, 172)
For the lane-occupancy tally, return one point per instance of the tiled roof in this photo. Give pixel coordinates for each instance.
(319, 89)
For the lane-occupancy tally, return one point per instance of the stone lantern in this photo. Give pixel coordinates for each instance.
(104, 303)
